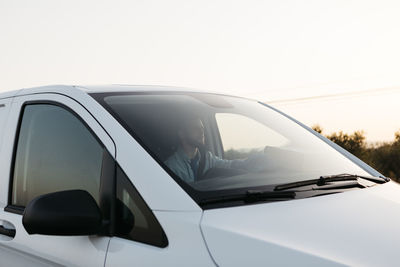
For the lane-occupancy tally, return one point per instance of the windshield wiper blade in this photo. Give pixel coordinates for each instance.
(379, 180)
(251, 196)
(323, 180)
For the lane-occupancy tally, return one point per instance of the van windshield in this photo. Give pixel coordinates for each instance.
(216, 143)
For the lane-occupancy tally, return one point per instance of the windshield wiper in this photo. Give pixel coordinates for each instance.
(324, 180)
(251, 196)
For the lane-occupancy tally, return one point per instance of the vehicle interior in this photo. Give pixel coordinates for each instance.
(156, 126)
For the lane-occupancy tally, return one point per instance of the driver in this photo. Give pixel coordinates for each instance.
(186, 161)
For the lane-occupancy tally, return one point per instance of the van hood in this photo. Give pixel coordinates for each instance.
(354, 228)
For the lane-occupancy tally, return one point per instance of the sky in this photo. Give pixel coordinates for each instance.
(268, 50)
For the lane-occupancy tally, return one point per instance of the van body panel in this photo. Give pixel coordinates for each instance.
(9, 94)
(4, 110)
(5, 135)
(356, 228)
(186, 246)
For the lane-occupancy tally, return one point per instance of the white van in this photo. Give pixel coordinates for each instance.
(161, 176)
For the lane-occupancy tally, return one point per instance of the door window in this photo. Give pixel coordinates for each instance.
(55, 151)
(135, 220)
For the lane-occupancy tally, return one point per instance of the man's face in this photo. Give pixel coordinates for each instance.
(194, 133)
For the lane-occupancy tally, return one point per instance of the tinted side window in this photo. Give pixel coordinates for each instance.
(135, 220)
(55, 152)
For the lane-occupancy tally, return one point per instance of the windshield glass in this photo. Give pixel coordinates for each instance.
(215, 143)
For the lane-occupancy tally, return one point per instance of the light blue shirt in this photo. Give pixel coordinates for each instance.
(180, 164)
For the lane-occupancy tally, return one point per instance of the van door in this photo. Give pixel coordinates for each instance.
(53, 144)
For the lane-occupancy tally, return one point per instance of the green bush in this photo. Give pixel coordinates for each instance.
(384, 157)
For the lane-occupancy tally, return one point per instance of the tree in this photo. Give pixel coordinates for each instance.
(384, 157)
(317, 128)
(354, 143)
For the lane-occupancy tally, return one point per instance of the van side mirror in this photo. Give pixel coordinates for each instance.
(64, 213)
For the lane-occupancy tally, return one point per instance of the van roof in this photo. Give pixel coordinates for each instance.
(96, 89)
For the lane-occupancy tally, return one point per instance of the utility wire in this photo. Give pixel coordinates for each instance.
(338, 95)
(301, 86)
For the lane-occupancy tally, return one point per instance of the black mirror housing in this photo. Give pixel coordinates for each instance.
(64, 213)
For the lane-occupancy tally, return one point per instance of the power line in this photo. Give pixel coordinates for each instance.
(302, 86)
(338, 95)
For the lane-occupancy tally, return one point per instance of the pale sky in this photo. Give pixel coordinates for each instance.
(269, 50)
